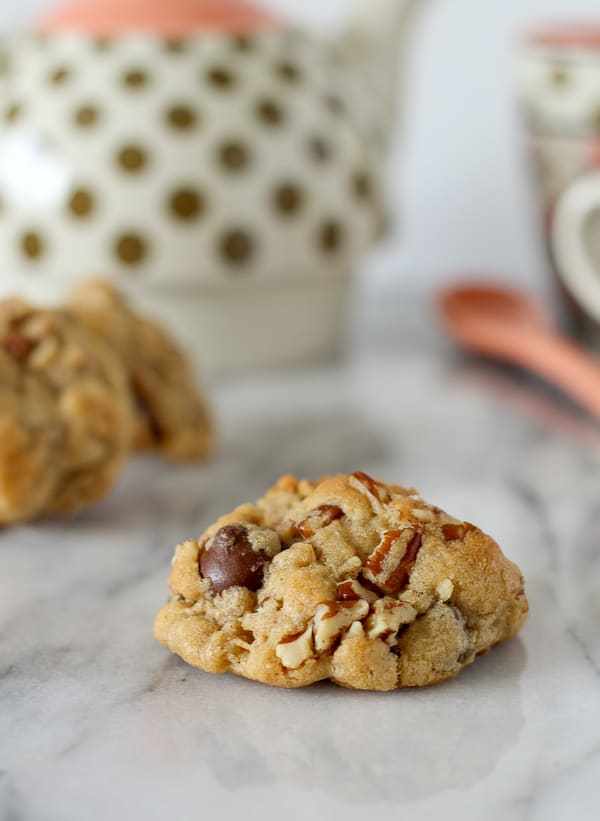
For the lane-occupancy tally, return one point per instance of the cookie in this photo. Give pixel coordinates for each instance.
(172, 414)
(65, 414)
(347, 579)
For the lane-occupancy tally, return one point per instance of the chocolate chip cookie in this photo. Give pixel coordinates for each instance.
(65, 414)
(172, 414)
(346, 578)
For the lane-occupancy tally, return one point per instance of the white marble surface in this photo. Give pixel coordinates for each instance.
(99, 722)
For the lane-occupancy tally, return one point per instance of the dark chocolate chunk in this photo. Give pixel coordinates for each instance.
(229, 560)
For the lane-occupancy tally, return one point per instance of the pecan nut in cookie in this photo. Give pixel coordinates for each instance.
(65, 414)
(172, 413)
(348, 579)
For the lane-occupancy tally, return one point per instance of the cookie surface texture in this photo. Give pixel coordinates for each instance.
(346, 578)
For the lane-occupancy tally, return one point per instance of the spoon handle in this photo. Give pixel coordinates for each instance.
(565, 364)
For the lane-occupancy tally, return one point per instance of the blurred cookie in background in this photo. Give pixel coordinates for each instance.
(81, 388)
(65, 414)
(172, 415)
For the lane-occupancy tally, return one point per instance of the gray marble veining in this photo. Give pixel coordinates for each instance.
(97, 721)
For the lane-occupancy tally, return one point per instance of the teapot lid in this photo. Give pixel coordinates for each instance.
(177, 18)
(566, 36)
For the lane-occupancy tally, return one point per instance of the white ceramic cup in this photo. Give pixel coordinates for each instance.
(559, 83)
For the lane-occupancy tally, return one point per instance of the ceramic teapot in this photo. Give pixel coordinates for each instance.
(221, 165)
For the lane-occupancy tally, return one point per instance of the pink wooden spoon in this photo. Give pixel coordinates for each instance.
(509, 326)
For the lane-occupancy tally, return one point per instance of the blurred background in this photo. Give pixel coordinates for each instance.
(459, 177)
(460, 186)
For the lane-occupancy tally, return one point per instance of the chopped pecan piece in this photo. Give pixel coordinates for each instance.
(318, 518)
(379, 491)
(390, 564)
(353, 590)
(387, 617)
(333, 618)
(453, 531)
(17, 345)
(294, 650)
(423, 514)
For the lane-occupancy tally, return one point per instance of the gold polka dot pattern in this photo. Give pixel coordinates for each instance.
(131, 249)
(178, 150)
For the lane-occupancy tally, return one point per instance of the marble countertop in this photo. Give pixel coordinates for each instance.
(97, 721)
